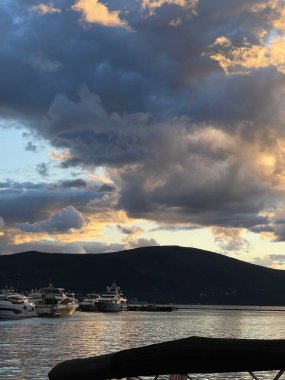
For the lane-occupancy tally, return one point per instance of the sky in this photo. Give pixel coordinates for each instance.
(133, 123)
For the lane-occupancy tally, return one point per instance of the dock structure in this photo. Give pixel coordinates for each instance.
(194, 355)
(150, 307)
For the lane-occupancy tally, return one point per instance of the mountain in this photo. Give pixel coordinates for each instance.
(154, 274)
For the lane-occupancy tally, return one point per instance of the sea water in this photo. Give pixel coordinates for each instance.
(29, 348)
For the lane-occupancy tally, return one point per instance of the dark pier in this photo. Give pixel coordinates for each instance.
(151, 307)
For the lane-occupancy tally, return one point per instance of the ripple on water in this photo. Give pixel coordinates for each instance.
(30, 348)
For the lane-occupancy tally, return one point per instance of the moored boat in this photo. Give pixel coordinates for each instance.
(55, 303)
(112, 301)
(14, 305)
(89, 303)
(35, 296)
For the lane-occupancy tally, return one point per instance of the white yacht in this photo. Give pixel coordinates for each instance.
(14, 305)
(55, 303)
(89, 303)
(35, 296)
(112, 300)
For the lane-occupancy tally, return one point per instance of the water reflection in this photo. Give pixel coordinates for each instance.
(30, 348)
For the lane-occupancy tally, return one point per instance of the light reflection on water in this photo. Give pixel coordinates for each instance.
(29, 348)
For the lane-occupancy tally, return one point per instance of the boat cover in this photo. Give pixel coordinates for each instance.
(189, 355)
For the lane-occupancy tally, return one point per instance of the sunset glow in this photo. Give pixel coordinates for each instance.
(128, 124)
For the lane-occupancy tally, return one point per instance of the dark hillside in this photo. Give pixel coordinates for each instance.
(159, 274)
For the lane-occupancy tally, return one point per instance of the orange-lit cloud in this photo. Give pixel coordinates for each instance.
(230, 239)
(272, 11)
(249, 57)
(93, 227)
(44, 9)
(91, 237)
(152, 5)
(59, 156)
(94, 12)
(264, 162)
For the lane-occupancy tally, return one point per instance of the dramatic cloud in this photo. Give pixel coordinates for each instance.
(32, 203)
(272, 12)
(64, 220)
(230, 240)
(105, 201)
(177, 104)
(249, 57)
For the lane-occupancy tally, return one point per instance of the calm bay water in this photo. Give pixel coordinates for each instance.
(29, 348)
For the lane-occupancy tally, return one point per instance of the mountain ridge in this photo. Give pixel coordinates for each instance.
(154, 274)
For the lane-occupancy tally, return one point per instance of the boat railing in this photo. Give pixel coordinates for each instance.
(187, 357)
(222, 376)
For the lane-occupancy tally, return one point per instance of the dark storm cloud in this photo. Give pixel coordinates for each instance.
(92, 135)
(279, 229)
(144, 102)
(156, 68)
(74, 183)
(60, 222)
(33, 203)
(203, 202)
(106, 188)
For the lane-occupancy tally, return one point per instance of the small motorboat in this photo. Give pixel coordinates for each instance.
(14, 305)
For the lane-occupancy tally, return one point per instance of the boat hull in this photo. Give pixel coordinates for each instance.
(108, 307)
(8, 312)
(86, 307)
(55, 311)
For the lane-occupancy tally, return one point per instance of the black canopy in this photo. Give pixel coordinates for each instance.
(190, 355)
